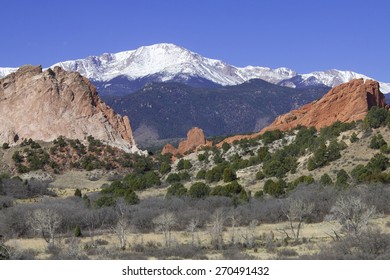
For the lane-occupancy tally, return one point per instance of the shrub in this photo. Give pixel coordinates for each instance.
(202, 157)
(225, 147)
(377, 142)
(325, 180)
(5, 146)
(263, 154)
(260, 175)
(323, 155)
(177, 189)
(286, 253)
(335, 129)
(77, 231)
(60, 141)
(173, 177)
(184, 176)
(342, 178)
(104, 201)
(165, 168)
(131, 197)
(270, 136)
(184, 164)
(275, 188)
(376, 117)
(17, 157)
(228, 190)
(306, 180)
(217, 158)
(229, 175)
(77, 192)
(199, 190)
(274, 168)
(378, 163)
(353, 138)
(259, 194)
(201, 174)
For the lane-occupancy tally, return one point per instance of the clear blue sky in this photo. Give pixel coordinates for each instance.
(301, 34)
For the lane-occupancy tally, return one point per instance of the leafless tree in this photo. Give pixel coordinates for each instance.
(352, 213)
(192, 227)
(295, 210)
(248, 234)
(216, 227)
(165, 223)
(95, 219)
(121, 228)
(45, 222)
(234, 219)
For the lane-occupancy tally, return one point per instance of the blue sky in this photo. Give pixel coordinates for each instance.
(302, 35)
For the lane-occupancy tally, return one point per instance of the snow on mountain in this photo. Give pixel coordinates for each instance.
(335, 77)
(168, 62)
(270, 75)
(6, 71)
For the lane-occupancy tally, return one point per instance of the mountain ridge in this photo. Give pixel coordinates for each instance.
(344, 103)
(169, 110)
(168, 62)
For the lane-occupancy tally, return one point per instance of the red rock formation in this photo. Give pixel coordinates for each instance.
(169, 149)
(195, 140)
(44, 105)
(346, 103)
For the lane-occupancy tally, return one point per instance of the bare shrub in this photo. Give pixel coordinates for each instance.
(216, 228)
(46, 223)
(286, 253)
(369, 244)
(295, 210)
(165, 223)
(352, 213)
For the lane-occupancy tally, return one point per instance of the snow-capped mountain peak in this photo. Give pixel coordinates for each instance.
(166, 59)
(169, 62)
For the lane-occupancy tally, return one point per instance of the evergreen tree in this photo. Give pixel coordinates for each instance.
(325, 180)
(77, 192)
(77, 231)
(229, 175)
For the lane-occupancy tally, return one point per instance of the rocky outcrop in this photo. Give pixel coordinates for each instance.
(43, 105)
(346, 103)
(169, 149)
(195, 140)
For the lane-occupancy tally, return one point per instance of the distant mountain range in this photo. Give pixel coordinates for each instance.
(128, 71)
(166, 90)
(168, 110)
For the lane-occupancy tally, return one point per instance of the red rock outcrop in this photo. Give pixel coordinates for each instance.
(169, 149)
(346, 103)
(195, 140)
(43, 105)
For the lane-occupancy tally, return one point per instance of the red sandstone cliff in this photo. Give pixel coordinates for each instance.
(346, 103)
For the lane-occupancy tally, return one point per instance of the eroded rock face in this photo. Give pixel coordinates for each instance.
(45, 105)
(346, 103)
(195, 139)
